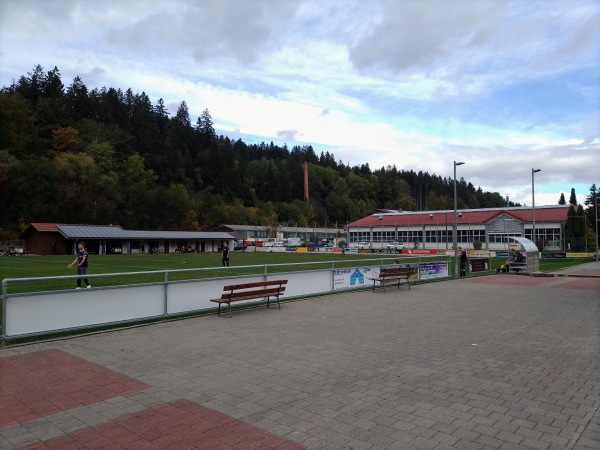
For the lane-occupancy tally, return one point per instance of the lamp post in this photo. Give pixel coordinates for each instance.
(533, 172)
(454, 235)
(596, 220)
(381, 238)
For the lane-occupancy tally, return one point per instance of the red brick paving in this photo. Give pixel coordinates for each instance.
(592, 284)
(178, 425)
(586, 272)
(41, 383)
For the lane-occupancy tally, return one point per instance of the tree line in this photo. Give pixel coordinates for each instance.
(107, 156)
(580, 226)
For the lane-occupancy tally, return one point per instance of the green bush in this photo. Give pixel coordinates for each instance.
(477, 245)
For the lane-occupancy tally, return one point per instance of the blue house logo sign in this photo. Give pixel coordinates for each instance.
(357, 277)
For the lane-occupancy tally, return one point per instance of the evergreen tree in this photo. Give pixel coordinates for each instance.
(182, 117)
(53, 87)
(561, 200)
(204, 125)
(572, 198)
(111, 156)
(575, 228)
(591, 202)
(77, 100)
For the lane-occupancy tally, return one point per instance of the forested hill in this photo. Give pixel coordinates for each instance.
(104, 156)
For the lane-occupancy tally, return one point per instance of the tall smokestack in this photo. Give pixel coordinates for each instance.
(305, 181)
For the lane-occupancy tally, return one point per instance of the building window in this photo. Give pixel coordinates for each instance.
(502, 238)
(550, 236)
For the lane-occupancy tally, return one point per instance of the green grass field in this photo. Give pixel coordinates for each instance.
(188, 265)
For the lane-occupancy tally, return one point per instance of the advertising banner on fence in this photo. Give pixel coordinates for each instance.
(415, 267)
(554, 254)
(478, 265)
(433, 270)
(355, 277)
(416, 251)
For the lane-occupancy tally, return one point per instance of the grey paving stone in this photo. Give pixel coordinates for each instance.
(585, 443)
(556, 441)
(509, 437)
(464, 444)
(489, 442)
(365, 370)
(535, 444)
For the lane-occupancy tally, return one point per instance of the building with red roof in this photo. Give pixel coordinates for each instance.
(433, 229)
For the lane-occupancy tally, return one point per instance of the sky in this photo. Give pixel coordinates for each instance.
(505, 86)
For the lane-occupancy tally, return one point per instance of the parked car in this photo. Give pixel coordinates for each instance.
(363, 245)
(395, 246)
(239, 245)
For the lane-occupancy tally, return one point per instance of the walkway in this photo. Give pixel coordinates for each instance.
(501, 362)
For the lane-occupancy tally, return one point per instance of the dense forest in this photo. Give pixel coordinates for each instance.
(104, 156)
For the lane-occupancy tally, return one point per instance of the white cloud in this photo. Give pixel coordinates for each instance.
(502, 85)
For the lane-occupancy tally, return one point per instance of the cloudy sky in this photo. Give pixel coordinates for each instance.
(505, 86)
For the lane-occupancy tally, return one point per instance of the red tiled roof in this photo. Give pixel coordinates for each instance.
(477, 216)
(41, 227)
(50, 227)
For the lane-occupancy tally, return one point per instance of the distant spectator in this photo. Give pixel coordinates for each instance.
(225, 255)
(82, 264)
(462, 253)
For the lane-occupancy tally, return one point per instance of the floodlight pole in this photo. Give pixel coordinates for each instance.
(454, 234)
(596, 220)
(381, 240)
(533, 172)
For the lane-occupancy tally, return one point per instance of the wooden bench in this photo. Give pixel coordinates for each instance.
(249, 291)
(393, 273)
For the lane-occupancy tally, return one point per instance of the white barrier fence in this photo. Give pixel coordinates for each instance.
(38, 313)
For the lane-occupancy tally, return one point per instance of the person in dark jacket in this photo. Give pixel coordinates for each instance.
(462, 254)
(225, 255)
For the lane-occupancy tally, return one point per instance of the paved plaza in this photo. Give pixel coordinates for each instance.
(496, 362)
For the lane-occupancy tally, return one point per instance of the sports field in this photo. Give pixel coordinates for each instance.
(149, 268)
(195, 265)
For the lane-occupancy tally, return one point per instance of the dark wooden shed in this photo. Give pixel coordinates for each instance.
(44, 239)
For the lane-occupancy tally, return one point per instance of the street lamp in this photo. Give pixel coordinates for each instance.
(596, 220)
(381, 238)
(533, 171)
(454, 237)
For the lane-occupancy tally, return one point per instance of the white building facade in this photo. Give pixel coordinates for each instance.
(433, 229)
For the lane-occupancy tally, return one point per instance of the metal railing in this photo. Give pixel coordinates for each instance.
(44, 305)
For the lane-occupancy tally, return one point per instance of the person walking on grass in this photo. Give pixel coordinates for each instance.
(82, 264)
(225, 255)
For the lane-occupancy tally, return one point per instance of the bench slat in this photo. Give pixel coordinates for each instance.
(254, 285)
(251, 294)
